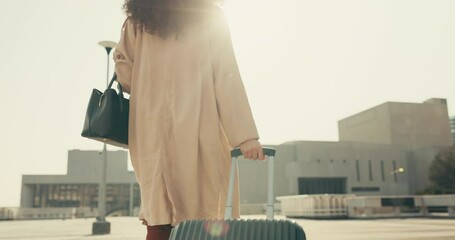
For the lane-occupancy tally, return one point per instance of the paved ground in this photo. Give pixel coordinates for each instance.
(127, 228)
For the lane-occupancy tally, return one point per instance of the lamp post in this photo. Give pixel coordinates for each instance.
(101, 226)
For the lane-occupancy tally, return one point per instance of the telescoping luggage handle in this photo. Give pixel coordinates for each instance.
(270, 153)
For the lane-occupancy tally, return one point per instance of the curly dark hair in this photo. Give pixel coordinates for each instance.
(164, 17)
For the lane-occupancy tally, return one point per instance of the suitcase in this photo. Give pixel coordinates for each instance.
(240, 229)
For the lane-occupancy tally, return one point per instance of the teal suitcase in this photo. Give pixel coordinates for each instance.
(240, 229)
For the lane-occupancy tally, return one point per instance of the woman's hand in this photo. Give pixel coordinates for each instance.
(252, 149)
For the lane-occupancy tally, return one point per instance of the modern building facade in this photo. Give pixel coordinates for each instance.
(385, 150)
(79, 187)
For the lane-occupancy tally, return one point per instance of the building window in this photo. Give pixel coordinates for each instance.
(382, 171)
(357, 170)
(393, 171)
(322, 185)
(370, 170)
(84, 195)
(365, 189)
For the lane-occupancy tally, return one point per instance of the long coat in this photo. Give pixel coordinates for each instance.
(188, 109)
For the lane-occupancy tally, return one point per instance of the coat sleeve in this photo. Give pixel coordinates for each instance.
(232, 102)
(124, 54)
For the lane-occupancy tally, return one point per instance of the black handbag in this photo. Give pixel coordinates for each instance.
(107, 116)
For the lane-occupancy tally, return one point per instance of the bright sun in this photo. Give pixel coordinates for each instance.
(248, 17)
(238, 11)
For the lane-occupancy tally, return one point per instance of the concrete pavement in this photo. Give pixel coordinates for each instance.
(129, 228)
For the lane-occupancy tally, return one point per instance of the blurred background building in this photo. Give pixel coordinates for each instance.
(78, 189)
(382, 151)
(452, 126)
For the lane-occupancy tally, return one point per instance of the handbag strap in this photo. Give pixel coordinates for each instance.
(120, 90)
(119, 86)
(114, 78)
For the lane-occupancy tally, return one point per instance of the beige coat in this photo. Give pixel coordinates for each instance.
(188, 109)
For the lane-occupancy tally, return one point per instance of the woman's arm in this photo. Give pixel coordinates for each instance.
(124, 55)
(232, 102)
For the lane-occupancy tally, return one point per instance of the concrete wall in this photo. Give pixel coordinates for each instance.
(369, 126)
(452, 127)
(409, 125)
(418, 125)
(336, 159)
(26, 195)
(419, 162)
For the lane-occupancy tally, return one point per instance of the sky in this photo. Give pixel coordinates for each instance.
(306, 64)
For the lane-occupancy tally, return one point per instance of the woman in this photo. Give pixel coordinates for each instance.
(188, 109)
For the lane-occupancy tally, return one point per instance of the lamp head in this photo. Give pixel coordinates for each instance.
(108, 45)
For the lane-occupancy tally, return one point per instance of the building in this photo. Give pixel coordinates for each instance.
(385, 150)
(79, 187)
(407, 125)
(452, 127)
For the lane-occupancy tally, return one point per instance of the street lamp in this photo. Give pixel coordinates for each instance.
(101, 226)
(398, 170)
(395, 172)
